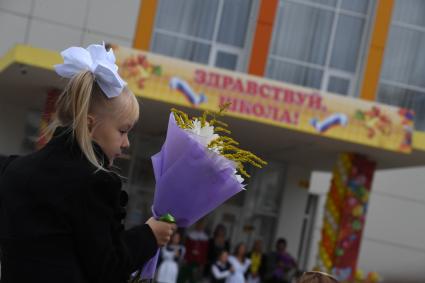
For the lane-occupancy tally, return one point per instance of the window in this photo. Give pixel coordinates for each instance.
(212, 32)
(319, 43)
(403, 72)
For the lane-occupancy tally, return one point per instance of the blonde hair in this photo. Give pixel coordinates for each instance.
(83, 97)
(317, 277)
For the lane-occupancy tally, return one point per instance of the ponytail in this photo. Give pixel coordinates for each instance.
(72, 110)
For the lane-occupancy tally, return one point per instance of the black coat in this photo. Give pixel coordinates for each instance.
(60, 219)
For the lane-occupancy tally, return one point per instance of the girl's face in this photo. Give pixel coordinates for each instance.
(241, 250)
(112, 136)
(176, 239)
(221, 232)
(223, 257)
(257, 246)
(110, 124)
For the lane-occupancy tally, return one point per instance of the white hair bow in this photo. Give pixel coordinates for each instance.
(96, 59)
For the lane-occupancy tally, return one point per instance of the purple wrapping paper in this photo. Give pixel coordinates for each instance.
(188, 184)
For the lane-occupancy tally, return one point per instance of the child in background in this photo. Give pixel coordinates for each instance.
(172, 256)
(240, 264)
(221, 269)
(258, 263)
(196, 254)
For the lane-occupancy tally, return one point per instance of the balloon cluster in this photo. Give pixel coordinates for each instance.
(372, 277)
(355, 202)
(345, 215)
(332, 214)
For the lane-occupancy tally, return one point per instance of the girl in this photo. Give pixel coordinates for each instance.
(216, 244)
(171, 255)
(221, 269)
(240, 265)
(61, 207)
(196, 244)
(258, 263)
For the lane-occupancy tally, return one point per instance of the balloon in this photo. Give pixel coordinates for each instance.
(322, 252)
(365, 197)
(352, 201)
(359, 275)
(357, 211)
(328, 264)
(357, 225)
(373, 277)
(354, 171)
(329, 230)
(361, 179)
(332, 224)
(352, 185)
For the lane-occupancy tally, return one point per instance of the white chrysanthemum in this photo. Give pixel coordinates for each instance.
(205, 135)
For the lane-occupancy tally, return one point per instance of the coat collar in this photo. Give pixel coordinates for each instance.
(65, 136)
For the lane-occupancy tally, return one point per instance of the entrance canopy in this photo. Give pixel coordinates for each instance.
(278, 121)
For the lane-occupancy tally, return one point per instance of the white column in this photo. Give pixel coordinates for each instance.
(292, 210)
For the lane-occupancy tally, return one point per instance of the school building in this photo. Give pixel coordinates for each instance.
(318, 87)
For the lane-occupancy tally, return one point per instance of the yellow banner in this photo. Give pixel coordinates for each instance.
(266, 101)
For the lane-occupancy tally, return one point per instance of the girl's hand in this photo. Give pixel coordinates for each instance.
(162, 230)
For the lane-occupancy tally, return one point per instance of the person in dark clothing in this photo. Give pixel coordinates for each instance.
(61, 207)
(281, 266)
(196, 245)
(216, 244)
(221, 269)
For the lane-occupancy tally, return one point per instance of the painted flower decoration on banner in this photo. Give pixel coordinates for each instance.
(138, 68)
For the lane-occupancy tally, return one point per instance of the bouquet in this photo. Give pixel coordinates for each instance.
(198, 168)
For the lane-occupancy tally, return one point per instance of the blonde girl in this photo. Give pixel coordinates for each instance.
(61, 207)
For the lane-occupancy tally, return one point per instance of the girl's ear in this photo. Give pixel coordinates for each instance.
(90, 123)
